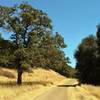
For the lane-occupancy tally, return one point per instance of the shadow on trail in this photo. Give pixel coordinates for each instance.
(73, 85)
(25, 83)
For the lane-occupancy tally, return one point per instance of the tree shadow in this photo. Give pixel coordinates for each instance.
(72, 85)
(25, 83)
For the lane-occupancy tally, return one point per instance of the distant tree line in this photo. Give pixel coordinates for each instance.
(33, 43)
(88, 59)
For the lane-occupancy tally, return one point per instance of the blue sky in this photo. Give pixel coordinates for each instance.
(74, 19)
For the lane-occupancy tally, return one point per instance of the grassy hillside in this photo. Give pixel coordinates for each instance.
(39, 81)
(32, 83)
(93, 90)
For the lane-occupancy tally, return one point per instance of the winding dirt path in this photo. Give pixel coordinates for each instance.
(66, 91)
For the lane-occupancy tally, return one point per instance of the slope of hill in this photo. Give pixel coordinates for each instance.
(38, 79)
(42, 84)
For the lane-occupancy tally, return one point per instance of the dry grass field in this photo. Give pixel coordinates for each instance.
(34, 82)
(93, 90)
(39, 81)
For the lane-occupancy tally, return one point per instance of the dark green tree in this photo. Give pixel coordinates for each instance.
(20, 21)
(32, 41)
(86, 56)
(6, 48)
(1, 37)
(98, 51)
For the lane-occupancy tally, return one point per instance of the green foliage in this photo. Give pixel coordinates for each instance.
(32, 41)
(6, 47)
(87, 61)
(0, 37)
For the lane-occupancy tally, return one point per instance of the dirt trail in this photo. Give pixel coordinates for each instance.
(39, 88)
(66, 91)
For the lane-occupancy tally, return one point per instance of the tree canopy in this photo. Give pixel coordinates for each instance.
(32, 42)
(88, 63)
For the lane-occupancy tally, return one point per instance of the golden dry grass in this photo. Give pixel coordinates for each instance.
(33, 83)
(39, 81)
(93, 90)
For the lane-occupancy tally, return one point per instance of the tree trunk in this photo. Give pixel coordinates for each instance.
(19, 77)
